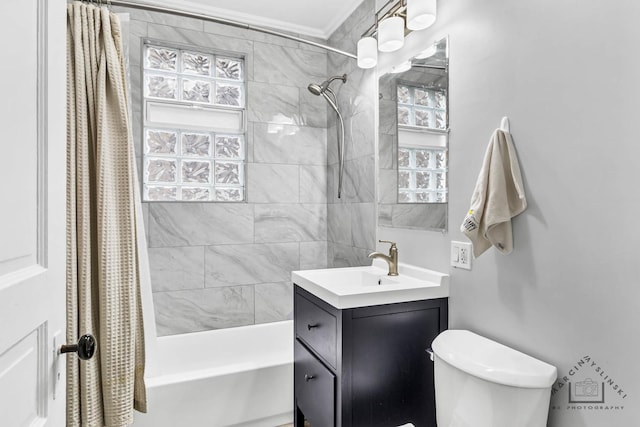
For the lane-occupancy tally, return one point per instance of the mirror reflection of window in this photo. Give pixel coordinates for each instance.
(421, 106)
(414, 140)
(422, 174)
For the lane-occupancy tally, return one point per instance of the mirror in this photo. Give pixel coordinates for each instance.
(413, 148)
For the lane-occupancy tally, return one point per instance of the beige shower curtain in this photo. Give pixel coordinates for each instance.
(103, 286)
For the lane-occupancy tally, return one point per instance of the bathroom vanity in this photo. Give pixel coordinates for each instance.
(360, 348)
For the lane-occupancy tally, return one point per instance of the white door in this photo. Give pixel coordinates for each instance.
(32, 210)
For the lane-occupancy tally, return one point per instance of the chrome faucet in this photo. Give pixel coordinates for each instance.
(392, 258)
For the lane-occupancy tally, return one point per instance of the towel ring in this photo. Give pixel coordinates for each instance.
(504, 124)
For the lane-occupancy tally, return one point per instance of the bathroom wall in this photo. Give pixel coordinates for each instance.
(566, 73)
(220, 265)
(352, 218)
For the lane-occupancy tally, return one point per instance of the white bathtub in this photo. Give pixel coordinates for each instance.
(231, 377)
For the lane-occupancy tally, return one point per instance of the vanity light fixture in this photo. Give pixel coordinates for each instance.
(421, 14)
(394, 21)
(367, 52)
(391, 34)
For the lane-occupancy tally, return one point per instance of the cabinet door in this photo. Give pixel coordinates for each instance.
(392, 376)
(314, 388)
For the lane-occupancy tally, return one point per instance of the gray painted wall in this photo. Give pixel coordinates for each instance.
(566, 73)
(216, 265)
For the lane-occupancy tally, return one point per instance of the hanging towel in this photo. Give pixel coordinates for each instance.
(497, 197)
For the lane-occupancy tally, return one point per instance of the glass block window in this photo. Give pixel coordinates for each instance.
(187, 165)
(194, 136)
(422, 175)
(194, 77)
(422, 107)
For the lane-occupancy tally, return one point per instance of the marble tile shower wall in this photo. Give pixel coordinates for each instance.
(352, 218)
(225, 265)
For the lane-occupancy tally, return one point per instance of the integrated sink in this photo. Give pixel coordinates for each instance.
(352, 277)
(363, 286)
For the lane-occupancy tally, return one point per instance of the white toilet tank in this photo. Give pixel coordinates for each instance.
(481, 383)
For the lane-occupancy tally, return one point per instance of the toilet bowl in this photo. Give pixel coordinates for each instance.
(481, 383)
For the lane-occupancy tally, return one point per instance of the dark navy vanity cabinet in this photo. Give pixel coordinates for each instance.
(366, 366)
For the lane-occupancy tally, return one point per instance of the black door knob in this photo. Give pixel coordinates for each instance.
(85, 348)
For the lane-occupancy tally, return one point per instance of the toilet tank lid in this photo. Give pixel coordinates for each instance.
(492, 361)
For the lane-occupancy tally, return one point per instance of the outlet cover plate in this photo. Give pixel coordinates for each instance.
(461, 255)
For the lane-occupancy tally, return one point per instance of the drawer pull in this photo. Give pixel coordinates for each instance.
(310, 326)
(308, 377)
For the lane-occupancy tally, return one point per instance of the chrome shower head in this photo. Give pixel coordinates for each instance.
(321, 88)
(327, 93)
(315, 89)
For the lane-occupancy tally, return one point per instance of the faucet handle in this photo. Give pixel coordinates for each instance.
(393, 244)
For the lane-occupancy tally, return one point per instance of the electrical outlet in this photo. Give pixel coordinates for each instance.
(461, 255)
(464, 256)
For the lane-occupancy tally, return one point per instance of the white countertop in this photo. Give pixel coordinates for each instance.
(370, 285)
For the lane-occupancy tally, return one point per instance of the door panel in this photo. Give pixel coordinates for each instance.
(32, 210)
(22, 365)
(18, 86)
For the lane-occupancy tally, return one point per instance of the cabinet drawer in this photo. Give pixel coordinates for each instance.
(316, 328)
(314, 388)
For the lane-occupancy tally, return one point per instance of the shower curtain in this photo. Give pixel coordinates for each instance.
(103, 278)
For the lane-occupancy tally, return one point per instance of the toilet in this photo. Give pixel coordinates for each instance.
(481, 383)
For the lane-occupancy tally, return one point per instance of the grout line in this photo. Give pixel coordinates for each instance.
(204, 267)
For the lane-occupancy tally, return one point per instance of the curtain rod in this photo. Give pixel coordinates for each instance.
(154, 8)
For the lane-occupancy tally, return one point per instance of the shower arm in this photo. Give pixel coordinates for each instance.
(341, 150)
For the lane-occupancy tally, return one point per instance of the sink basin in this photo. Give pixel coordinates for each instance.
(370, 285)
(353, 277)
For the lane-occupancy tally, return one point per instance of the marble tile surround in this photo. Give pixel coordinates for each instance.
(290, 223)
(352, 218)
(233, 265)
(200, 224)
(196, 310)
(220, 265)
(176, 269)
(226, 265)
(269, 297)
